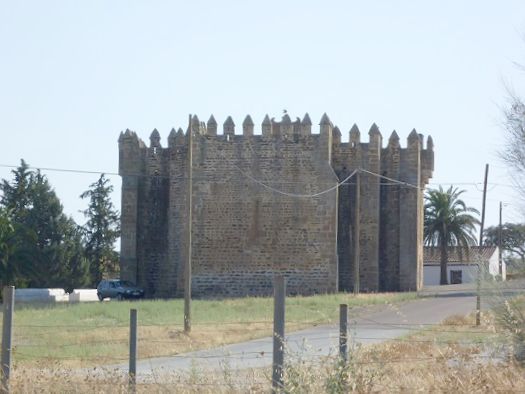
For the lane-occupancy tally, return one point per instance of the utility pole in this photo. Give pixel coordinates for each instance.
(187, 267)
(500, 240)
(356, 229)
(481, 228)
(478, 281)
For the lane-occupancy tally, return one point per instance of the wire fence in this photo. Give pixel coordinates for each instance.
(21, 341)
(105, 345)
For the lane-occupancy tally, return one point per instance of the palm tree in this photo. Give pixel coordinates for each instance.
(448, 222)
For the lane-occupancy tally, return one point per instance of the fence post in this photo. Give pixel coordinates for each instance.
(278, 333)
(343, 332)
(132, 349)
(7, 336)
(478, 296)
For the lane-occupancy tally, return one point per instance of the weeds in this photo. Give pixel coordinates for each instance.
(510, 319)
(391, 367)
(330, 374)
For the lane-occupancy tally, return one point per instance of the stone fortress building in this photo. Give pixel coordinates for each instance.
(272, 203)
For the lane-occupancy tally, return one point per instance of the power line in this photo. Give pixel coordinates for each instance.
(296, 194)
(266, 183)
(401, 183)
(62, 170)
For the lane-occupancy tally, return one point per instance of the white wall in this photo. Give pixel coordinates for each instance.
(494, 266)
(431, 273)
(83, 295)
(55, 295)
(41, 295)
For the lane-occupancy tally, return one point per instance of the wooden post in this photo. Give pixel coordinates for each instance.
(482, 226)
(343, 332)
(478, 296)
(278, 334)
(478, 281)
(357, 237)
(132, 349)
(7, 336)
(187, 267)
(500, 241)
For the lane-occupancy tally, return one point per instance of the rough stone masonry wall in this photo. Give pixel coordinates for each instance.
(151, 220)
(391, 216)
(389, 224)
(244, 233)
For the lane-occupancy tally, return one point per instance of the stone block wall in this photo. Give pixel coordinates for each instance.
(256, 211)
(391, 215)
(243, 232)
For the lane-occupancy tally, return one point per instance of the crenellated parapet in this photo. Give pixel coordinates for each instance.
(130, 147)
(247, 126)
(427, 161)
(228, 128)
(212, 126)
(287, 129)
(328, 139)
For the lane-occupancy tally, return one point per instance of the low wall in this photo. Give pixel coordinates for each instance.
(41, 295)
(83, 295)
(55, 295)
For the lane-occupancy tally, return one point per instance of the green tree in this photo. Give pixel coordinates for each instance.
(512, 243)
(448, 222)
(513, 152)
(75, 272)
(9, 270)
(512, 238)
(101, 230)
(46, 239)
(15, 260)
(15, 194)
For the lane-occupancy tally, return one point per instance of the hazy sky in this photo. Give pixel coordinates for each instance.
(73, 74)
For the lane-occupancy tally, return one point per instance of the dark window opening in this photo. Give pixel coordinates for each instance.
(456, 277)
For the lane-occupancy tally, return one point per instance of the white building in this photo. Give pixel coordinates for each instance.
(462, 264)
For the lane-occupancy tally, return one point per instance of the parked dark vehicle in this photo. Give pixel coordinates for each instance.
(119, 289)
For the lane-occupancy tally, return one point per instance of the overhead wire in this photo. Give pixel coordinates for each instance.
(70, 170)
(266, 183)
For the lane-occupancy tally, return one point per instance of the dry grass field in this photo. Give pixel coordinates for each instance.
(455, 356)
(94, 334)
(466, 359)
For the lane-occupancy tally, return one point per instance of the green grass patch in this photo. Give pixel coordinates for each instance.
(97, 333)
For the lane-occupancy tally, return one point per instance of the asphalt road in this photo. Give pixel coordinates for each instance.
(368, 327)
